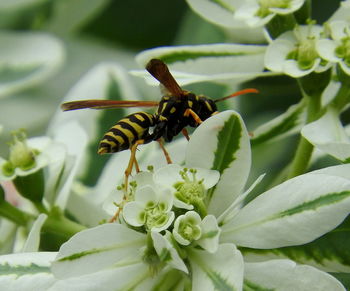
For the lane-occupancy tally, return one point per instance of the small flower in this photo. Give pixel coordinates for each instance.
(25, 156)
(336, 49)
(294, 52)
(259, 12)
(151, 209)
(189, 186)
(189, 228)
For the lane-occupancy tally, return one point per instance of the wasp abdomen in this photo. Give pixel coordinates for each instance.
(126, 132)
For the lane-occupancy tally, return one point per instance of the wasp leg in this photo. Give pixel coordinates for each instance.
(165, 152)
(132, 161)
(196, 118)
(185, 133)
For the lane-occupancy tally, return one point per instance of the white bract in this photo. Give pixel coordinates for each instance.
(206, 238)
(336, 49)
(259, 12)
(294, 52)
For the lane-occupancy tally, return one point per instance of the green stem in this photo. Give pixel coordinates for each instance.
(342, 98)
(40, 206)
(57, 223)
(14, 214)
(304, 150)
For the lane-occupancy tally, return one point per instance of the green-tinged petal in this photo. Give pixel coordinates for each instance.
(283, 125)
(222, 63)
(222, 270)
(97, 248)
(285, 275)
(210, 234)
(222, 143)
(146, 196)
(26, 271)
(326, 50)
(218, 12)
(134, 213)
(292, 213)
(166, 251)
(329, 253)
(131, 276)
(33, 240)
(328, 135)
(276, 54)
(21, 66)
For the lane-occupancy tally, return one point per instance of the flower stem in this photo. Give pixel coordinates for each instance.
(304, 150)
(57, 223)
(14, 214)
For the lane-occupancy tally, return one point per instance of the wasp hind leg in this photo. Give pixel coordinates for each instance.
(165, 152)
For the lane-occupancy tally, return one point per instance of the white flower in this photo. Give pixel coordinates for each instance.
(259, 12)
(337, 49)
(26, 156)
(294, 52)
(189, 186)
(189, 228)
(151, 208)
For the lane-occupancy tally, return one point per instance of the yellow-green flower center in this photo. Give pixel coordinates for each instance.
(265, 6)
(343, 50)
(305, 53)
(21, 155)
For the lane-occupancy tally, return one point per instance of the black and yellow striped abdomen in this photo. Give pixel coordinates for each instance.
(126, 132)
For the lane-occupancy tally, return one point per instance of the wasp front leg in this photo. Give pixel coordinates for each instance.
(194, 115)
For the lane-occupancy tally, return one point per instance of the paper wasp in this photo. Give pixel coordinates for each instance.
(177, 109)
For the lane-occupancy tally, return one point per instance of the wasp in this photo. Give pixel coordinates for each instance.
(176, 110)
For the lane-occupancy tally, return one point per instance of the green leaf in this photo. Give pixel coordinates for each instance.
(222, 143)
(98, 248)
(329, 252)
(283, 125)
(26, 271)
(222, 270)
(292, 213)
(37, 57)
(221, 63)
(328, 135)
(286, 275)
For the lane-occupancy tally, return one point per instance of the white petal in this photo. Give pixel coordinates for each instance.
(170, 218)
(134, 213)
(276, 54)
(291, 68)
(209, 177)
(210, 234)
(326, 48)
(168, 175)
(146, 195)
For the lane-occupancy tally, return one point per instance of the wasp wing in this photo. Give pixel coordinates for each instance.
(160, 71)
(105, 104)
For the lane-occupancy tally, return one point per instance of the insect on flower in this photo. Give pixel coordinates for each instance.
(177, 109)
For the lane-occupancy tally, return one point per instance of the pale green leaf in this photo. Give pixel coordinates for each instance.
(292, 213)
(222, 270)
(97, 248)
(283, 125)
(222, 143)
(27, 59)
(221, 63)
(328, 135)
(285, 275)
(26, 271)
(329, 253)
(33, 240)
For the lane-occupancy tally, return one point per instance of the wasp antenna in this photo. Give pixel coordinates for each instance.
(238, 93)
